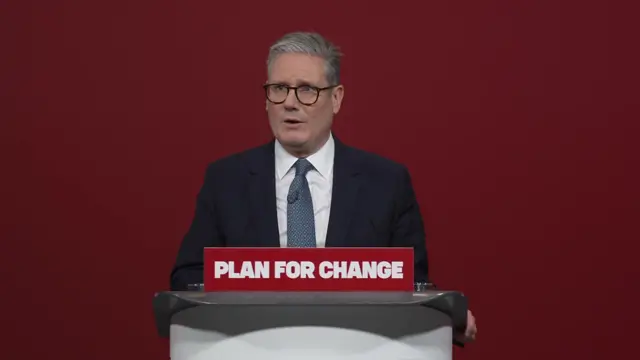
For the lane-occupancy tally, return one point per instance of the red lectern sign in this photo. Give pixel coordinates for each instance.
(308, 269)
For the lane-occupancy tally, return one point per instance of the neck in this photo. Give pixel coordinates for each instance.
(306, 150)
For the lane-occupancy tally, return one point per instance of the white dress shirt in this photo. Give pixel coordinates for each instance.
(320, 180)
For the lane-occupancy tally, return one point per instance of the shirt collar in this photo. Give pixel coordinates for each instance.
(322, 160)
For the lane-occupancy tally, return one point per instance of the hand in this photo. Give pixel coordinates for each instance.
(471, 330)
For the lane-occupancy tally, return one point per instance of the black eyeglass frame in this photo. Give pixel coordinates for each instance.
(295, 89)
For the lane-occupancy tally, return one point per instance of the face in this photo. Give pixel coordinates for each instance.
(302, 129)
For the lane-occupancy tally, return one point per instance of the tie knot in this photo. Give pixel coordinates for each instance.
(302, 167)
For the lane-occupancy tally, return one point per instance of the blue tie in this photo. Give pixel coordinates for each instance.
(301, 230)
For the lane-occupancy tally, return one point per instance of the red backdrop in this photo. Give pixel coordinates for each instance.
(515, 120)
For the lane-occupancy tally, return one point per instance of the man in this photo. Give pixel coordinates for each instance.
(305, 188)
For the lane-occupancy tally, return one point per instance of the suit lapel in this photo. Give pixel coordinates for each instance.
(344, 194)
(262, 198)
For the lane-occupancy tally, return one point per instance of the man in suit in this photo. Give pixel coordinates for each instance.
(305, 188)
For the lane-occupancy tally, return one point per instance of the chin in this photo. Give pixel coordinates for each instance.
(293, 139)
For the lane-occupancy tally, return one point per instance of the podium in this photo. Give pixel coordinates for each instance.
(367, 325)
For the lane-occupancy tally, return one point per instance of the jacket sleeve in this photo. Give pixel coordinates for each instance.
(408, 227)
(203, 232)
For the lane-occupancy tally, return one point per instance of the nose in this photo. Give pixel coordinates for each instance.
(291, 102)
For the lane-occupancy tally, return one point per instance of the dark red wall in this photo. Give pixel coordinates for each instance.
(518, 121)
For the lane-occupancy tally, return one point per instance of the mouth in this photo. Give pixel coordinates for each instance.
(292, 121)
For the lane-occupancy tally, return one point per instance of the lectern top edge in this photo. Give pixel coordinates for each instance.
(168, 303)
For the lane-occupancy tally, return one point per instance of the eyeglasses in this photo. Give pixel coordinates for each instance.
(306, 94)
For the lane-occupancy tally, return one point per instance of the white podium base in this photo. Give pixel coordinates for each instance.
(308, 342)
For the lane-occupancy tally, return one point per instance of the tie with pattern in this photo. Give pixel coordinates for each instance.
(301, 230)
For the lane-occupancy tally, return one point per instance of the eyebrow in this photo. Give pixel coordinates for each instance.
(297, 83)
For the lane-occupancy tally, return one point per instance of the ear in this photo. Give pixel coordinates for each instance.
(336, 98)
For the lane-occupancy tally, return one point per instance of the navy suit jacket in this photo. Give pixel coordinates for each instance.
(372, 205)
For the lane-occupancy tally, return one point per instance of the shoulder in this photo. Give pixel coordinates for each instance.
(376, 165)
(382, 175)
(241, 162)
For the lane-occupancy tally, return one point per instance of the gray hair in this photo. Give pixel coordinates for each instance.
(311, 44)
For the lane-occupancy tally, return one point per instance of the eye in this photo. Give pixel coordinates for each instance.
(306, 89)
(278, 88)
